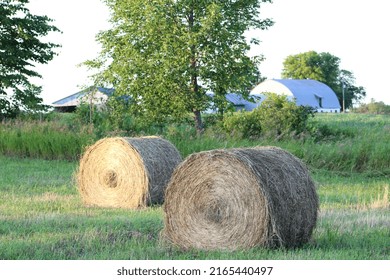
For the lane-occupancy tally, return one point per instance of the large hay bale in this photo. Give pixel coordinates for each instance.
(126, 172)
(240, 198)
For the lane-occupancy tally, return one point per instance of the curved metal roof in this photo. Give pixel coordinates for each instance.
(306, 92)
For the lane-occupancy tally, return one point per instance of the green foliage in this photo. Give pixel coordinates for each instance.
(324, 67)
(374, 107)
(338, 142)
(96, 118)
(355, 142)
(20, 48)
(47, 140)
(22, 102)
(165, 55)
(277, 118)
(323, 132)
(243, 124)
(280, 117)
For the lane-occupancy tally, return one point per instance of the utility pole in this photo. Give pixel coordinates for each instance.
(343, 97)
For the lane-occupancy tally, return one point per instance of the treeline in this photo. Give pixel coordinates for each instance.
(374, 107)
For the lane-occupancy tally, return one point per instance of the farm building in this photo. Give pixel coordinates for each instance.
(98, 96)
(238, 102)
(305, 92)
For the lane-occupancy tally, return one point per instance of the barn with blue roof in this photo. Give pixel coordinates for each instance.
(305, 92)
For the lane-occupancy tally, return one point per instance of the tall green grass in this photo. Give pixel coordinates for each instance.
(360, 143)
(339, 142)
(46, 140)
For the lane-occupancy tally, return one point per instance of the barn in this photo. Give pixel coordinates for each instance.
(95, 95)
(305, 92)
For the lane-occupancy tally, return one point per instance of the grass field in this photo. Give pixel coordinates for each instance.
(42, 216)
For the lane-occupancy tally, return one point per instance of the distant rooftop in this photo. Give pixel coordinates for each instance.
(72, 100)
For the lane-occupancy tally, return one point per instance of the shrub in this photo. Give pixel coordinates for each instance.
(277, 117)
(242, 124)
(280, 117)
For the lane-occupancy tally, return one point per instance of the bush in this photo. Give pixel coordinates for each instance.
(277, 117)
(242, 124)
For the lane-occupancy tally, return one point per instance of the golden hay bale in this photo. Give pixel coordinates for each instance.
(240, 198)
(126, 172)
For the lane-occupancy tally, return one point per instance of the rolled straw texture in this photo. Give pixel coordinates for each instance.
(126, 172)
(240, 198)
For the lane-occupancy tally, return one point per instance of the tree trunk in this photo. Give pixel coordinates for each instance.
(198, 122)
(194, 80)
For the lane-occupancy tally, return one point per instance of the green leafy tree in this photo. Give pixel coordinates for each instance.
(21, 48)
(352, 93)
(324, 67)
(167, 54)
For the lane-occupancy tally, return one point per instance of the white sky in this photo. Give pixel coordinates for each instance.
(355, 31)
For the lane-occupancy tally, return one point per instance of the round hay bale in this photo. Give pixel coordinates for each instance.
(126, 172)
(240, 198)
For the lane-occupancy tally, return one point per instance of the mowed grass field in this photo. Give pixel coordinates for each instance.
(42, 216)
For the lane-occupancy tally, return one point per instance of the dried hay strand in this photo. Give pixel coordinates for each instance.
(126, 172)
(238, 199)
